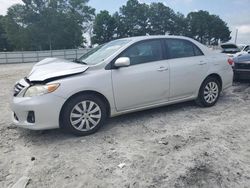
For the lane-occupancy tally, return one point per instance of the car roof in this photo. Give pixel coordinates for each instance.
(140, 38)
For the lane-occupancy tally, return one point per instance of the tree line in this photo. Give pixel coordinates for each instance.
(60, 24)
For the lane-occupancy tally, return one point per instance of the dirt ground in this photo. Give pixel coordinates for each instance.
(176, 146)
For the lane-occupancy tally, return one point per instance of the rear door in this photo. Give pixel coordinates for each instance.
(146, 81)
(188, 65)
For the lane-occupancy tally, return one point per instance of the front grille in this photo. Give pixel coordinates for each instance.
(18, 88)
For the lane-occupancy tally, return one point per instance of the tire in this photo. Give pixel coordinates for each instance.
(209, 92)
(83, 115)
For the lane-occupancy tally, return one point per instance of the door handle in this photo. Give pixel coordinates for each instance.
(161, 69)
(202, 63)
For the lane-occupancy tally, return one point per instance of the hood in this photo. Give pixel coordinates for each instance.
(230, 48)
(54, 67)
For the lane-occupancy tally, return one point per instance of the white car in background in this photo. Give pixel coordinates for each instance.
(119, 77)
(244, 49)
(232, 50)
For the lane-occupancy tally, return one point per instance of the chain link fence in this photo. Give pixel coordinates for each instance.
(35, 56)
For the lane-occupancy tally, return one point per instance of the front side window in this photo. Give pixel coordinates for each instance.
(177, 48)
(143, 52)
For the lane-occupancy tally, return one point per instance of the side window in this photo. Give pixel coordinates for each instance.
(197, 51)
(178, 48)
(144, 52)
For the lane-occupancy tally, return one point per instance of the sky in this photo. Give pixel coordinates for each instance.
(235, 12)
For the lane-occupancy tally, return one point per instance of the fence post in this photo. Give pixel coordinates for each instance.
(6, 57)
(64, 53)
(22, 57)
(37, 56)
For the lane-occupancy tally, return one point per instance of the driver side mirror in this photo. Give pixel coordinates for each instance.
(122, 62)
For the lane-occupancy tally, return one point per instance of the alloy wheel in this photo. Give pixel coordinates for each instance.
(85, 115)
(211, 92)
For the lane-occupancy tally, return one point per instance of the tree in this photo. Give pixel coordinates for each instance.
(180, 25)
(120, 30)
(4, 43)
(104, 28)
(161, 19)
(198, 24)
(207, 28)
(59, 24)
(48, 24)
(218, 30)
(15, 28)
(133, 19)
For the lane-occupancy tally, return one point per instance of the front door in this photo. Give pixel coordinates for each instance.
(146, 81)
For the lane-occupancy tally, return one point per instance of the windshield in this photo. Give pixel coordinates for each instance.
(102, 52)
(244, 47)
(241, 47)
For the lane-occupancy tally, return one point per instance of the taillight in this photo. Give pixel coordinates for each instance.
(230, 62)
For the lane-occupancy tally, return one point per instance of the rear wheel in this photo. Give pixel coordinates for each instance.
(83, 115)
(209, 92)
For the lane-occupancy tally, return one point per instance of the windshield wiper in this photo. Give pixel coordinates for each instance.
(78, 61)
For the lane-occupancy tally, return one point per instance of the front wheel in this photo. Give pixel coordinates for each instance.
(209, 92)
(83, 115)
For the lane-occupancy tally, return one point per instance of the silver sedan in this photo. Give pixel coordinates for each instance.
(119, 77)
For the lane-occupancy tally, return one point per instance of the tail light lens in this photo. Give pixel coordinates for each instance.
(230, 62)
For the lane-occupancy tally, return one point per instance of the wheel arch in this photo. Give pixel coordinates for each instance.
(198, 100)
(217, 76)
(86, 92)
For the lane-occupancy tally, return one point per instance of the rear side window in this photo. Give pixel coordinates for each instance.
(143, 52)
(178, 48)
(197, 51)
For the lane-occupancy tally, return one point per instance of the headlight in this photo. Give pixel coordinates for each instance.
(37, 90)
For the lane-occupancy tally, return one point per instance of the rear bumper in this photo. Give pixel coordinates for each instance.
(46, 110)
(242, 74)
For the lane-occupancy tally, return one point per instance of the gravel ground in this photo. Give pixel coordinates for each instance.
(176, 146)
